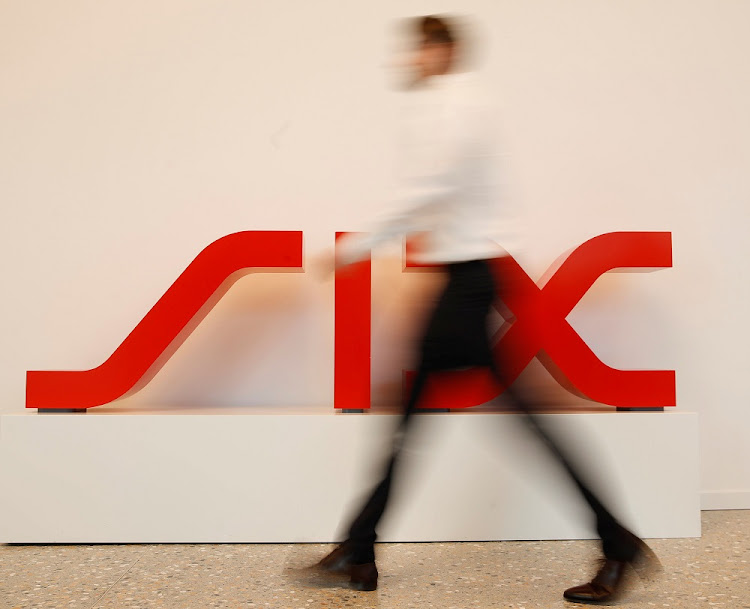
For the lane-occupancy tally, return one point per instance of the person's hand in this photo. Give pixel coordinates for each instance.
(326, 264)
(323, 265)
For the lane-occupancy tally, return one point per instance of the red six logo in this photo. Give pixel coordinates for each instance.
(539, 327)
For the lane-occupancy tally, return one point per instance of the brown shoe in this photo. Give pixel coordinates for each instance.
(362, 576)
(604, 587)
(608, 584)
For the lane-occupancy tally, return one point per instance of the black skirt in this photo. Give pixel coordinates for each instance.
(457, 333)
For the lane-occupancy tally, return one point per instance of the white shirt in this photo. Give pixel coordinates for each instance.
(446, 187)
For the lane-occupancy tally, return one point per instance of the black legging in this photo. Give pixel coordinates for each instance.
(457, 336)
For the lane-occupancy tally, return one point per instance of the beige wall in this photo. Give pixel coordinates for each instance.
(132, 134)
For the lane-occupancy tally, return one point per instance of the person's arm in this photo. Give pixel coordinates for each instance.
(431, 176)
(406, 217)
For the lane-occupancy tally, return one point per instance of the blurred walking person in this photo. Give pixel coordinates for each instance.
(447, 194)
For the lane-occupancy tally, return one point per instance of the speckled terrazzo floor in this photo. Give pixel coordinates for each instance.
(713, 571)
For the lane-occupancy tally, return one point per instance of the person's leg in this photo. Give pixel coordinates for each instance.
(617, 542)
(619, 545)
(439, 348)
(362, 531)
(358, 550)
(355, 557)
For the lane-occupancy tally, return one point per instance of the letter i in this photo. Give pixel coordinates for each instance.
(351, 385)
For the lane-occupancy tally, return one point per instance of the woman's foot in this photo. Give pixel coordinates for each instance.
(609, 582)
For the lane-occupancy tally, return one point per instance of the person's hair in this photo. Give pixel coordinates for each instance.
(435, 30)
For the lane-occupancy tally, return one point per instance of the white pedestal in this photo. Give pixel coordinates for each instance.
(292, 475)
